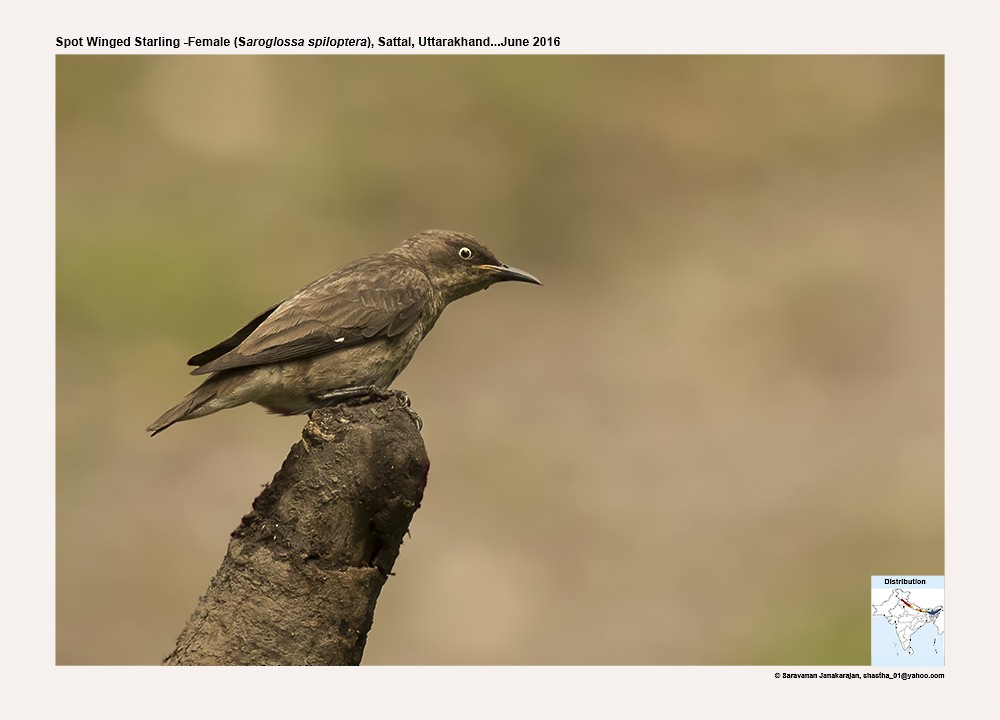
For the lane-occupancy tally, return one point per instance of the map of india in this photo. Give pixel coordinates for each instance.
(914, 613)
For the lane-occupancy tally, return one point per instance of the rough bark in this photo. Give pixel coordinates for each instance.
(304, 569)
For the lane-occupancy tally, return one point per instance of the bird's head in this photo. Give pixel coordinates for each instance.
(458, 264)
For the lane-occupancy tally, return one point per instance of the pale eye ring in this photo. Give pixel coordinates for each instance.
(465, 253)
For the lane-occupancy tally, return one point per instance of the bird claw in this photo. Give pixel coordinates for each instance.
(404, 401)
(417, 420)
(332, 398)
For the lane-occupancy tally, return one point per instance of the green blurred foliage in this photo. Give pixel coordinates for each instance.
(722, 413)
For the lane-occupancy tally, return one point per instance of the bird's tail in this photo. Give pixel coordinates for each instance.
(189, 407)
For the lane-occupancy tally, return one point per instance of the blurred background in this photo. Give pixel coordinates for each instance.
(694, 445)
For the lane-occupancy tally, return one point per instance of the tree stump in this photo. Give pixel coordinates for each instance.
(304, 569)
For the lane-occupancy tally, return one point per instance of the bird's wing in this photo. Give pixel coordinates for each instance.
(362, 301)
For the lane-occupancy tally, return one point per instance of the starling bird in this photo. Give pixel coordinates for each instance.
(347, 334)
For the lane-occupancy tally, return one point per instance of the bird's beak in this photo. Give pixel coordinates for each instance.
(505, 272)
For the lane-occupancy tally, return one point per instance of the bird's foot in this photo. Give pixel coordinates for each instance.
(330, 398)
(404, 401)
(417, 420)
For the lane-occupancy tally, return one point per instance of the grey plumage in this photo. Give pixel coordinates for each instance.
(357, 327)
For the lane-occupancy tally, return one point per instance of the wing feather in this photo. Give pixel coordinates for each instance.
(370, 298)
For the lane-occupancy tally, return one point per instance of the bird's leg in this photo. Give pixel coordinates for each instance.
(330, 398)
(333, 397)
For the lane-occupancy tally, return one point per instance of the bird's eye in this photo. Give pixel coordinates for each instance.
(465, 253)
